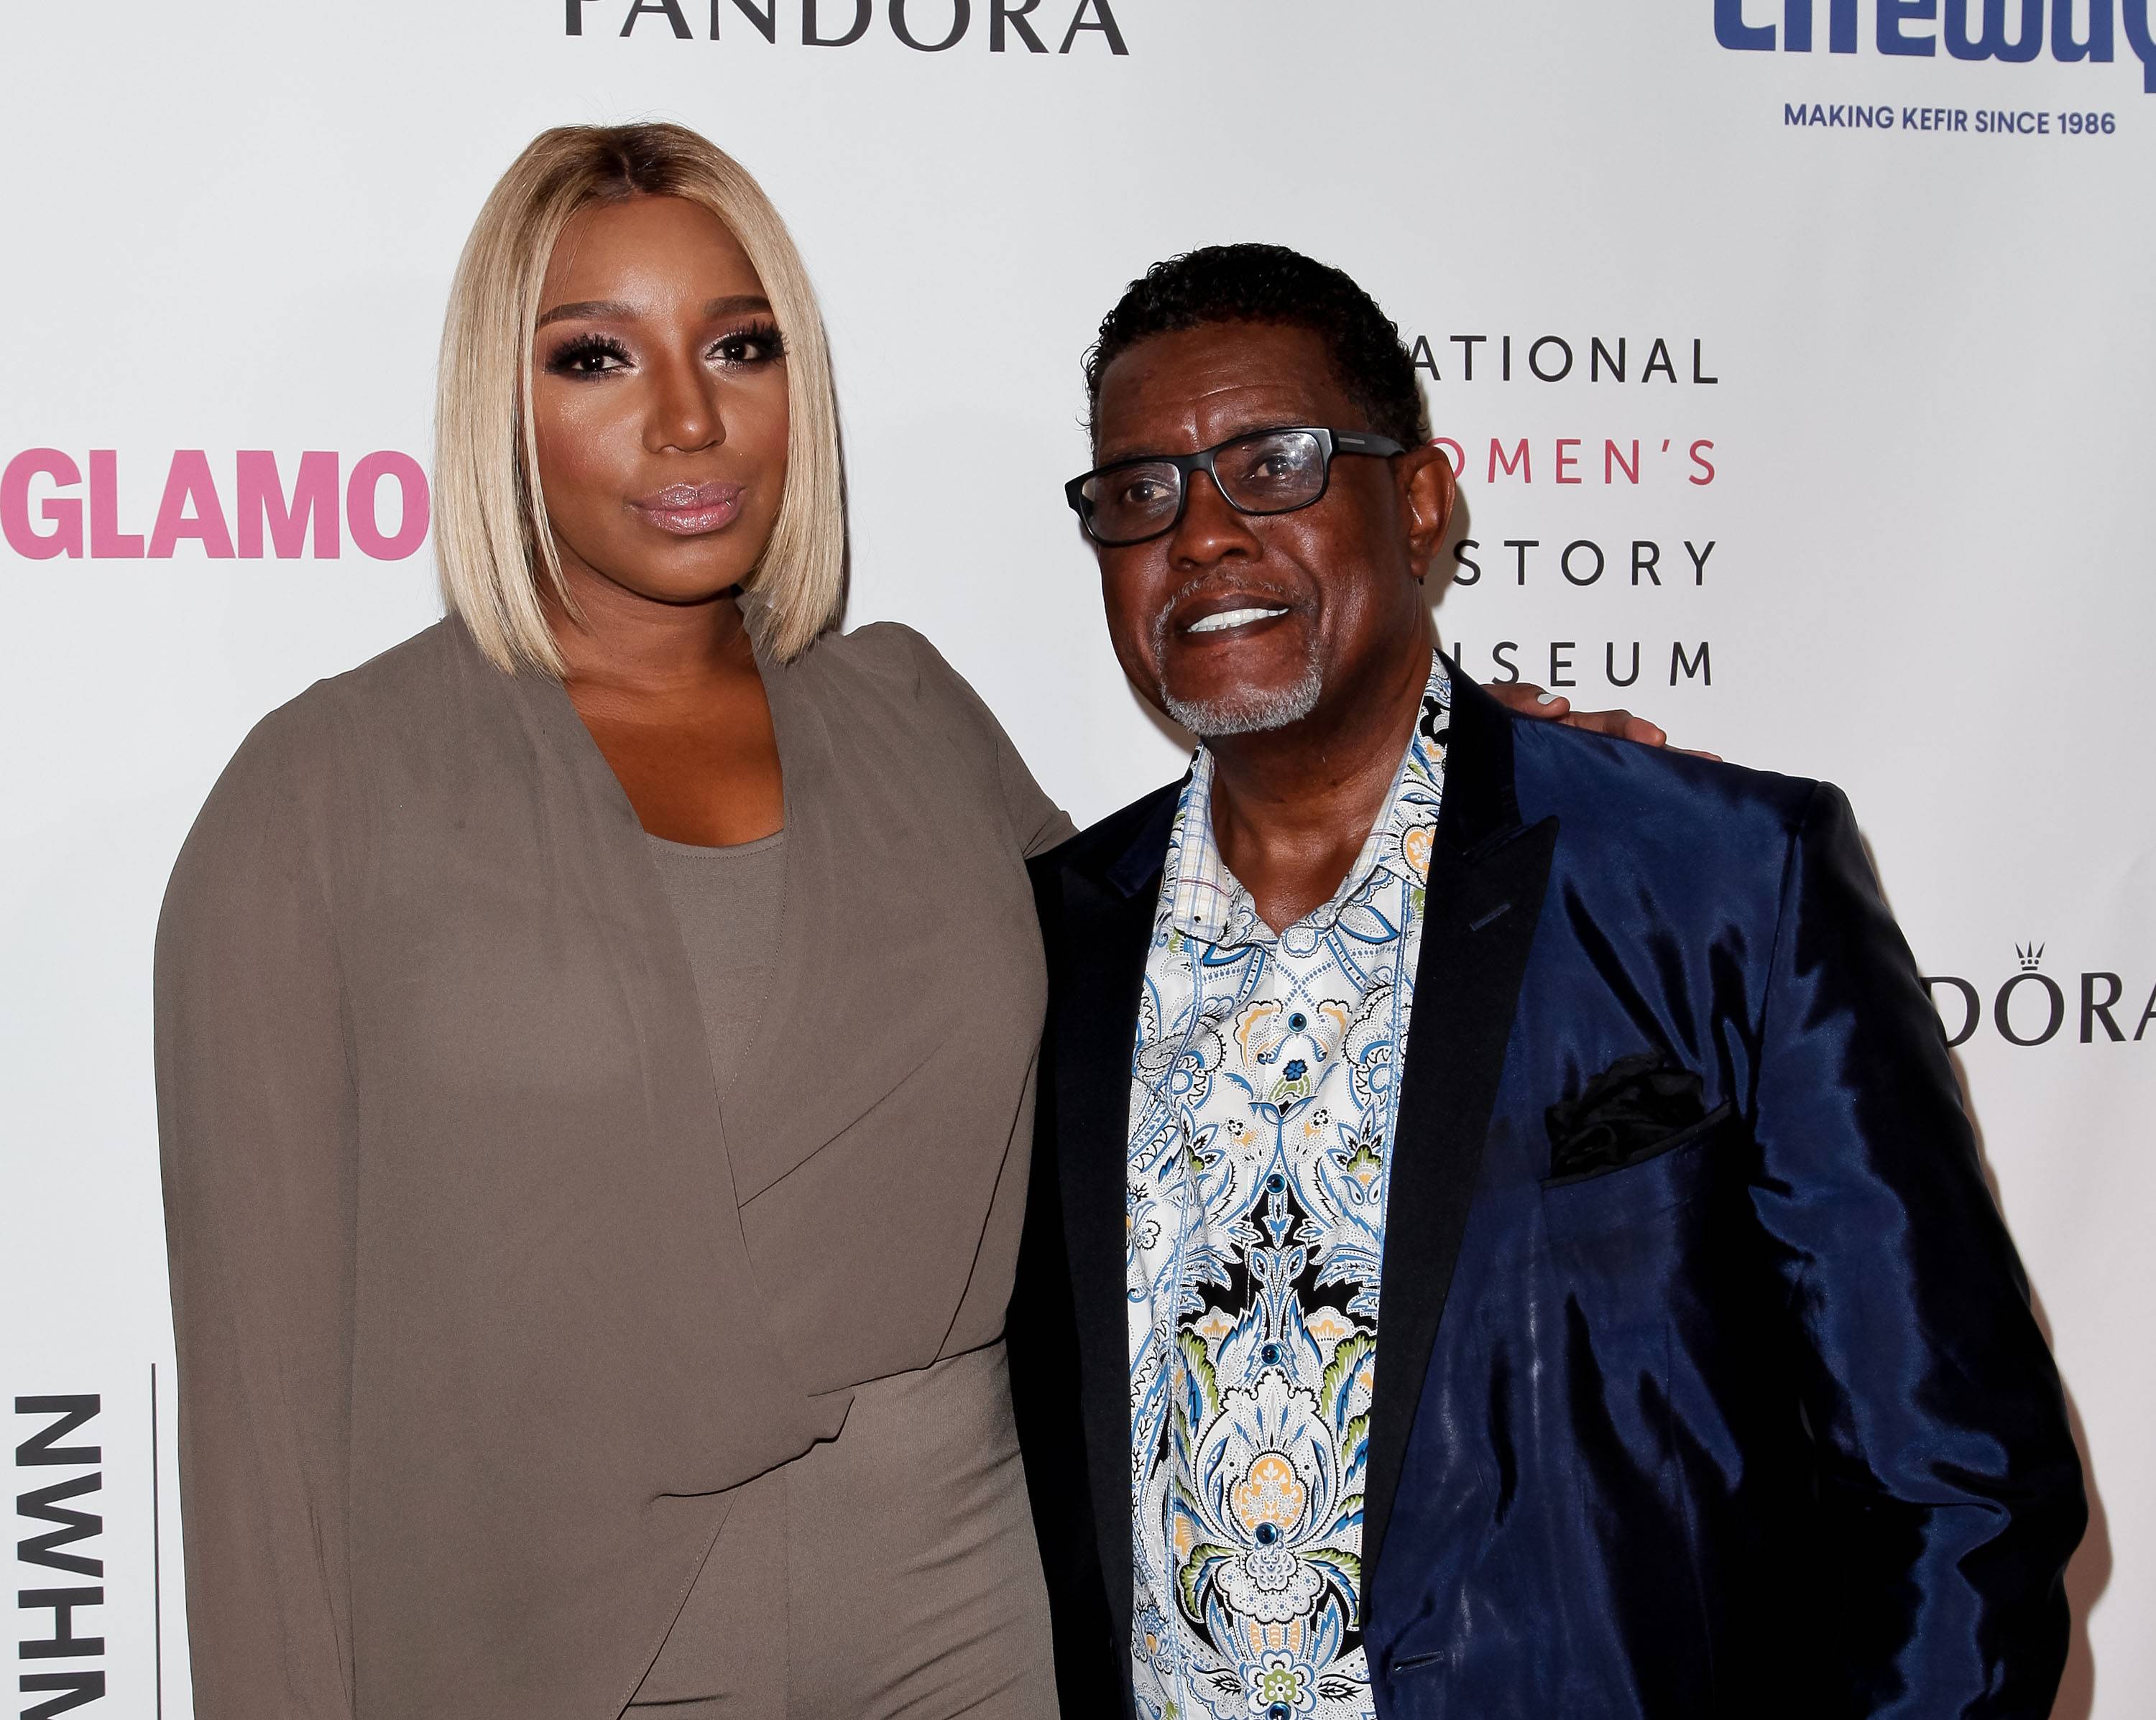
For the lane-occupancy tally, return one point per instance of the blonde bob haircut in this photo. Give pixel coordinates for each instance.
(492, 541)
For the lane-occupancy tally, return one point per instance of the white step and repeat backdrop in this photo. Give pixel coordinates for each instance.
(1798, 357)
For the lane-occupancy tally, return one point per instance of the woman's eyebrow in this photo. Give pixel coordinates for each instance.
(730, 306)
(586, 307)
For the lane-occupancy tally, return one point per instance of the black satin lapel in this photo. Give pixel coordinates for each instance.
(1097, 976)
(1479, 922)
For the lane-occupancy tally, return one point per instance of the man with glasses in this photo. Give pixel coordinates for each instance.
(1504, 1238)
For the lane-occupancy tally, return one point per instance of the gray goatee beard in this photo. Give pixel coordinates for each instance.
(1251, 712)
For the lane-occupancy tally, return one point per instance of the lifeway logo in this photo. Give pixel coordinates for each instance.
(2029, 1007)
(48, 507)
(926, 26)
(2014, 32)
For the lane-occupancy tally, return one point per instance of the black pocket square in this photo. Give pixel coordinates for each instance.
(1622, 1116)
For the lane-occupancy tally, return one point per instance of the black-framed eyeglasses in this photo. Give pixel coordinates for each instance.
(1261, 472)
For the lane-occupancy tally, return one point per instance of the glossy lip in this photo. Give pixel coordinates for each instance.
(691, 509)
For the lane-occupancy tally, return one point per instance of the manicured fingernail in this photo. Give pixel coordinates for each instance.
(1545, 699)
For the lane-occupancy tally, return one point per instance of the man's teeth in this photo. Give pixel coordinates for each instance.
(1232, 618)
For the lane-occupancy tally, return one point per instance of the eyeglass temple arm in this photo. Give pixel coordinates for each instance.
(1356, 442)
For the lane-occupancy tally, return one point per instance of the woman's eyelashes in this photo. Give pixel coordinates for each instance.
(758, 344)
(595, 355)
(588, 356)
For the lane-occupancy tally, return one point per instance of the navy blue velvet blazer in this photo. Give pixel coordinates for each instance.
(1757, 1422)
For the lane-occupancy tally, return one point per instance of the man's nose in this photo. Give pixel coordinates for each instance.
(1210, 529)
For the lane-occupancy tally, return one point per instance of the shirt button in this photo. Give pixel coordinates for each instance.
(1270, 1353)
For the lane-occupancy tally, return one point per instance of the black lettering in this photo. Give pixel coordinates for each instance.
(1647, 563)
(766, 21)
(1972, 1005)
(1658, 359)
(1564, 561)
(2095, 1009)
(1423, 359)
(863, 12)
(576, 16)
(61, 1603)
(1105, 23)
(1598, 355)
(1523, 545)
(76, 1687)
(962, 14)
(1609, 664)
(1692, 667)
(670, 10)
(44, 1504)
(1561, 651)
(1467, 343)
(2002, 1008)
(1512, 674)
(1697, 374)
(1699, 560)
(1474, 568)
(73, 1412)
(2148, 1016)
(1001, 12)
(1535, 362)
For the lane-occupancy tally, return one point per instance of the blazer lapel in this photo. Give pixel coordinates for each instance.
(1103, 927)
(1486, 878)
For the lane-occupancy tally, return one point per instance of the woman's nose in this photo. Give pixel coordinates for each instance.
(685, 415)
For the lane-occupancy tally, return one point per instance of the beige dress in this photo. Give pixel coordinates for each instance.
(890, 1570)
(489, 1318)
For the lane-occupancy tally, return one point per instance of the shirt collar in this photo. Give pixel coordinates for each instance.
(1207, 903)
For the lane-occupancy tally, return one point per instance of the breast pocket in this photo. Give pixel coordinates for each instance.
(1621, 1237)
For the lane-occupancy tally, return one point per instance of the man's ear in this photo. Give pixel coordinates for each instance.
(1428, 492)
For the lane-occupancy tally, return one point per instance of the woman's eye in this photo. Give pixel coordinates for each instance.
(748, 347)
(588, 358)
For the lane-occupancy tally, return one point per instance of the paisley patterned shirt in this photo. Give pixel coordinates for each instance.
(1262, 1103)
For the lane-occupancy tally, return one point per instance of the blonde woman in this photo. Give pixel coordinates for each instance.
(596, 1057)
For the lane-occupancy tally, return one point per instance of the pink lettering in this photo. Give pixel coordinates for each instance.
(190, 508)
(359, 512)
(105, 537)
(64, 513)
(261, 503)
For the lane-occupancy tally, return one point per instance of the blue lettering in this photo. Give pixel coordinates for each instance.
(1730, 30)
(1797, 26)
(2067, 46)
(1893, 14)
(2134, 15)
(1993, 45)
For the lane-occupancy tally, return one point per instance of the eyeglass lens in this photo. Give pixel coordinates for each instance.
(1270, 473)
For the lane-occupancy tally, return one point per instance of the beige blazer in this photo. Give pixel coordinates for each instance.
(482, 1305)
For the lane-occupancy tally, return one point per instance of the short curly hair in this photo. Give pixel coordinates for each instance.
(1270, 283)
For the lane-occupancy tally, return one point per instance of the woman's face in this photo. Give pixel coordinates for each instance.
(658, 402)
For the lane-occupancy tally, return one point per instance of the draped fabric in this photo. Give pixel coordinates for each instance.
(482, 1305)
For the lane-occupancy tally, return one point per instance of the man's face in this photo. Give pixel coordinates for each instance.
(1326, 600)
